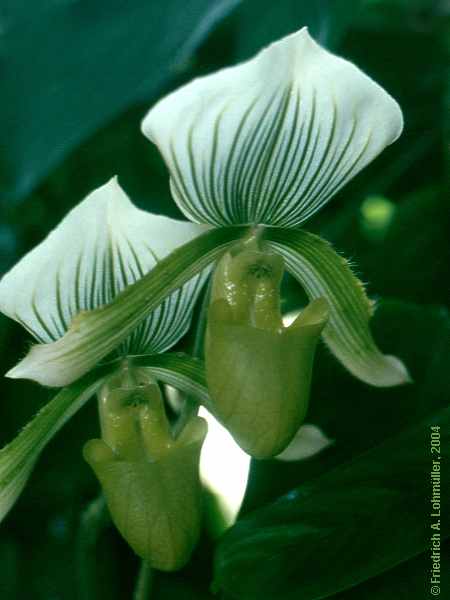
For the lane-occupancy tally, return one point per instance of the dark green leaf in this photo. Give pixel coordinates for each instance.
(408, 581)
(351, 524)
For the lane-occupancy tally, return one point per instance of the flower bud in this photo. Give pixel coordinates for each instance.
(150, 480)
(258, 371)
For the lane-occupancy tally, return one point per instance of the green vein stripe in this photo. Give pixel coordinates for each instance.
(306, 155)
(333, 174)
(341, 178)
(285, 157)
(258, 173)
(236, 164)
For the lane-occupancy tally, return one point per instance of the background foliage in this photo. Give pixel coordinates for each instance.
(76, 78)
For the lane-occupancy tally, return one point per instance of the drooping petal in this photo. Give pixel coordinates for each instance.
(271, 140)
(18, 458)
(308, 441)
(103, 245)
(323, 273)
(93, 335)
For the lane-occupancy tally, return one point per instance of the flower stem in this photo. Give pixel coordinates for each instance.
(144, 582)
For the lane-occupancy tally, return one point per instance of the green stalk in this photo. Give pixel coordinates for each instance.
(144, 582)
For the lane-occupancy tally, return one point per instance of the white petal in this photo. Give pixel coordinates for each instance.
(309, 440)
(271, 140)
(104, 244)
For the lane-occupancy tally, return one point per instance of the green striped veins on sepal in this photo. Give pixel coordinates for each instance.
(102, 246)
(271, 140)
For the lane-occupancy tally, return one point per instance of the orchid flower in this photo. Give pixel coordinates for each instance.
(269, 142)
(266, 144)
(255, 150)
(103, 245)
